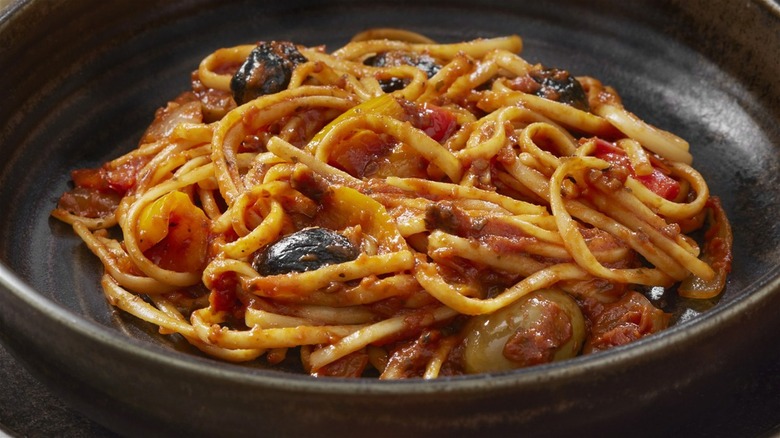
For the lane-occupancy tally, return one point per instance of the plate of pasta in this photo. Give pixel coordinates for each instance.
(454, 219)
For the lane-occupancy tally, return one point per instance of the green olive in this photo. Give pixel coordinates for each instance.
(543, 326)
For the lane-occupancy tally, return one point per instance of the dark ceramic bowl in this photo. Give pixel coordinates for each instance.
(80, 80)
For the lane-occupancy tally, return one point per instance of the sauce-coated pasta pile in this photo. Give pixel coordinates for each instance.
(399, 208)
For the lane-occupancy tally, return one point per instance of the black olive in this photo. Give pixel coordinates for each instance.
(392, 59)
(267, 70)
(304, 250)
(560, 86)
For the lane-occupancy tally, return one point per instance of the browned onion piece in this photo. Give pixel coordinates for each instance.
(717, 253)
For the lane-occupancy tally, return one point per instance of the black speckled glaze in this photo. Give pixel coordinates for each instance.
(80, 80)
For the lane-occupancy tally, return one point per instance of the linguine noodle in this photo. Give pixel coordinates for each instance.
(484, 213)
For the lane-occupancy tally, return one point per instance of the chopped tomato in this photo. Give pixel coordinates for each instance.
(223, 296)
(116, 177)
(440, 122)
(631, 317)
(658, 182)
(89, 203)
(96, 178)
(362, 153)
(661, 184)
(436, 122)
(97, 191)
(122, 177)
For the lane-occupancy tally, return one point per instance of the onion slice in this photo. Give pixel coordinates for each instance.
(717, 253)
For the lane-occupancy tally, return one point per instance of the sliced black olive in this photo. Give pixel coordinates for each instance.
(304, 250)
(393, 59)
(560, 86)
(266, 70)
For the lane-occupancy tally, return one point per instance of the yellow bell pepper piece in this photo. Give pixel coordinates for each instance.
(174, 233)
